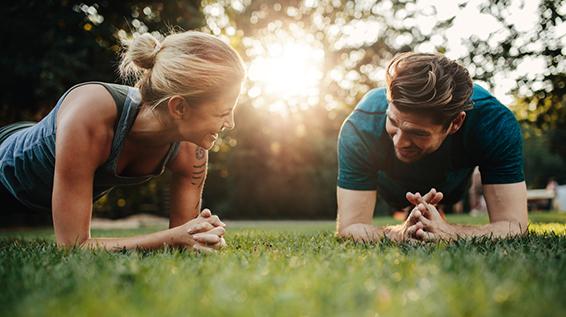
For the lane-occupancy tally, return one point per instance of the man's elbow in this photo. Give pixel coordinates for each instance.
(523, 226)
(518, 227)
(342, 231)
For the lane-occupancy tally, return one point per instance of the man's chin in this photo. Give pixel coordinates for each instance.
(407, 159)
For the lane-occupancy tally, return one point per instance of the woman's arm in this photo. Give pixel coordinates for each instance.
(84, 136)
(189, 169)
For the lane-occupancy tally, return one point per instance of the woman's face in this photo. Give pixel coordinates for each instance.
(202, 123)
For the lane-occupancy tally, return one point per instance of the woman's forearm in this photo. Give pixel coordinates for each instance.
(150, 241)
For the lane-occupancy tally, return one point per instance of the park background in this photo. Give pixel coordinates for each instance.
(309, 63)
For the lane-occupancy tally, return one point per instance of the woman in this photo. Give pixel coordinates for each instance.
(103, 135)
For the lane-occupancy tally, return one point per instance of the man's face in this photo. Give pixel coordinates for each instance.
(414, 136)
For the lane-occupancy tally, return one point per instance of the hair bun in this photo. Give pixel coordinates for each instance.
(140, 55)
(143, 50)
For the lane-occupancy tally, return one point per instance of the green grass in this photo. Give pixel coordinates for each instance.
(291, 269)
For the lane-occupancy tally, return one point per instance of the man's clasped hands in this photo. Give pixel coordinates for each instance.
(424, 222)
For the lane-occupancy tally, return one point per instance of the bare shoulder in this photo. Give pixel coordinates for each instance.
(88, 114)
(88, 105)
(189, 157)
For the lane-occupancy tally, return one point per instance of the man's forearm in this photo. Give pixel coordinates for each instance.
(500, 229)
(369, 233)
(361, 232)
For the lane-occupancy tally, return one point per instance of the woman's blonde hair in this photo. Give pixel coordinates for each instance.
(194, 65)
(430, 84)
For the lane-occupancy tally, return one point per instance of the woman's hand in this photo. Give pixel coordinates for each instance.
(204, 233)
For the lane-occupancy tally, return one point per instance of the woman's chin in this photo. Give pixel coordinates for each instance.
(208, 143)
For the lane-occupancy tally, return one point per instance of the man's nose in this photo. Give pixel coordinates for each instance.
(401, 140)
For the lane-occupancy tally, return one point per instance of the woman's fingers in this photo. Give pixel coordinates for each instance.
(206, 238)
(215, 221)
(207, 216)
(219, 231)
(220, 244)
(202, 248)
(201, 227)
(213, 236)
(205, 213)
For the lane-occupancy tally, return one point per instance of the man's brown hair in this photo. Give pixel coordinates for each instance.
(429, 84)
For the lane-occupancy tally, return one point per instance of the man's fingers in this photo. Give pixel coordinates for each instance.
(437, 198)
(424, 210)
(428, 196)
(413, 229)
(414, 216)
(425, 222)
(411, 198)
(201, 227)
(425, 235)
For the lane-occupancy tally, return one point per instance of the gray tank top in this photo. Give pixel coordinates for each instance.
(27, 157)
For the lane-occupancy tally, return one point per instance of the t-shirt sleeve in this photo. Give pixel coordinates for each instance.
(356, 166)
(500, 147)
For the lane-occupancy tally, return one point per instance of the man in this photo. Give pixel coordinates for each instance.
(428, 130)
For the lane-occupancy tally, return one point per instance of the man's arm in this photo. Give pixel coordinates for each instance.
(507, 207)
(355, 215)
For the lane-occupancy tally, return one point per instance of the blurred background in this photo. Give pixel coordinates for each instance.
(309, 63)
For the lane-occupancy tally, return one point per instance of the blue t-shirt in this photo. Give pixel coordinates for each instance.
(489, 138)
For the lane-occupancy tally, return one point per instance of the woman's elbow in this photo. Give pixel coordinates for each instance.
(70, 242)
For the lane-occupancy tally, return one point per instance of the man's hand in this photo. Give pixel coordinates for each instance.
(360, 232)
(432, 197)
(429, 225)
(405, 231)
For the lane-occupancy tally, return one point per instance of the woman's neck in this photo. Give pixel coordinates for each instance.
(152, 129)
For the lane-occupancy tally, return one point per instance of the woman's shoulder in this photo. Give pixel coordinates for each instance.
(88, 110)
(91, 102)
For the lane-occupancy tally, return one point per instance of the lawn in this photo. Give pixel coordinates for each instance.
(291, 269)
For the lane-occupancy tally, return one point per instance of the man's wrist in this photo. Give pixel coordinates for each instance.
(394, 233)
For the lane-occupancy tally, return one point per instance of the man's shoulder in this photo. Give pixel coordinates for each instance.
(489, 123)
(374, 102)
(368, 117)
(487, 110)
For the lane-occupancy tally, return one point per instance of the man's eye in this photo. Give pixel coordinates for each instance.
(421, 135)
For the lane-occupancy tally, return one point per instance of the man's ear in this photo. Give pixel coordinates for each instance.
(457, 122)
(177, 107)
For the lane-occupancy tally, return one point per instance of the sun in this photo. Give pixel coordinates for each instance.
(286, 75)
